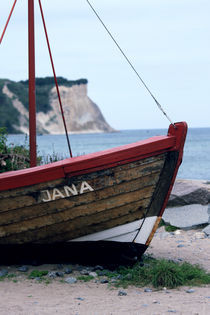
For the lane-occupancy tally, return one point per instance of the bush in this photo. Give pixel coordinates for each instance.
(13, 157)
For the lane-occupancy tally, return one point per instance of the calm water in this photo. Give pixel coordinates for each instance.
(196, 162)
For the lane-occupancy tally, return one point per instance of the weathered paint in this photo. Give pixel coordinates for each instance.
(65, 191)
(89, 194)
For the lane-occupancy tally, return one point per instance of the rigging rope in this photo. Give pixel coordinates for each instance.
(8, 21)
(55, 79)
(129, 62)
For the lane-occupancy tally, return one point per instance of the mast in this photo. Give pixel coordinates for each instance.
(31, 84)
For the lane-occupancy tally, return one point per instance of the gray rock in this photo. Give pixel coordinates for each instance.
(207, 230)
(93, 274)
(104, 281)
(23, 268)
(3, 272)
(80, 299)
(59, 273)
(190, 291)
(52, 274)
(186, 217)
(122, 293)
(67, 270)
(98, 267)
(84, 272)
(70, 280)
(147, 290)
(187, 192)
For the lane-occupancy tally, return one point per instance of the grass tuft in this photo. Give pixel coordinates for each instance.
(37, 274)
(85, 278)
(162, 273)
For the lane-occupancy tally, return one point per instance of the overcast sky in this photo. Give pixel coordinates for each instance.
(167, 41)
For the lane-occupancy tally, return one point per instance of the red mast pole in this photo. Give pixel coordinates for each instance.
(31, 84)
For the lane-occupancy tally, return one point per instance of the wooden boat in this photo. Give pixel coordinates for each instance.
(110, 201)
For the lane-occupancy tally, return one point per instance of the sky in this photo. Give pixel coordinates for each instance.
(166, 40)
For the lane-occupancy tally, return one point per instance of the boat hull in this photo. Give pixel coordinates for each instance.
(114, 196)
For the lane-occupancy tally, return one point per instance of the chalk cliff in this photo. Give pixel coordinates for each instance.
(81, 113)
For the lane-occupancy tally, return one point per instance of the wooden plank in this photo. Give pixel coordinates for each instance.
(83, 210)
(27, 213)
(30, 189)
(96, 180)
(64, 231)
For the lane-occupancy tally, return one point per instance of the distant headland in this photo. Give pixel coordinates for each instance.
(81, 113)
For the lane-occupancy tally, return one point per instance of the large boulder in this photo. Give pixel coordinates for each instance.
(186, 217)
(189, 204)
(186, 192)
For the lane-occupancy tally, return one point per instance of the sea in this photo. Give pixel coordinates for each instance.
(196, 160)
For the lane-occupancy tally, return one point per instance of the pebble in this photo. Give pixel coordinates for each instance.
(67, 270)
(147, 290)
(177, 232)
(84, 272)
(122, 293)
(52, 274)
(93, 274)
(190, 291)
(59, 273)
(200, 235)
(23, 268)
(104, 281)
(3, 272)
(71, 280)
(98, 267)
(80, 299)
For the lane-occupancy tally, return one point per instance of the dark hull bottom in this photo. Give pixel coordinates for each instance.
(91, 253)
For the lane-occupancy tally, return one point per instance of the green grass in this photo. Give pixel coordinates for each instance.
(168, 227)
(171, 228)
(37, 274)
(85, 278)
(162, 273)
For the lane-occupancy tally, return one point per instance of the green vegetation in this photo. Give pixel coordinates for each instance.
(85, 278)
(168, 227)
(171, 228)
(37, 274)
(161, 273)
(9, 276)
(8, 113)
(13, 157)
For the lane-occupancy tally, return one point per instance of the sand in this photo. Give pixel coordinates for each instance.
(30, 297)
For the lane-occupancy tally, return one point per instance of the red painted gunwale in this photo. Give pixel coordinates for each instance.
(96, 161)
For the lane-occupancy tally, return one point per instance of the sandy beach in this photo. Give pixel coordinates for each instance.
(31, 297)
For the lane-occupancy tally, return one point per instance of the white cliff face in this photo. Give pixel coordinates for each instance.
(81, 114)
